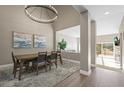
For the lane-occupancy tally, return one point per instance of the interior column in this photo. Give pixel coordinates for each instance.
(93, 43)
(85, 40)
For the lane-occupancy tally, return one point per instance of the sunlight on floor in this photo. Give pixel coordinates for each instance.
(108, 61)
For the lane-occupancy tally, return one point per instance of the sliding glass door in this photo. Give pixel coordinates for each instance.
(108, 54)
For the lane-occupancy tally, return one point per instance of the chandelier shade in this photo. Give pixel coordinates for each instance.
(41, 13)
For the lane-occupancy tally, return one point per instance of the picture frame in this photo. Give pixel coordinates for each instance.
(21, 40)
(39, 41)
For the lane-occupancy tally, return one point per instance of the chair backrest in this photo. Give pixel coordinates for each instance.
(52, 52)
(58, 51)
(42, 57)
(54, 55)
(13, 58)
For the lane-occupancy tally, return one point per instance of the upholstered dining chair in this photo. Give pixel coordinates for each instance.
(41, 61)
(53, 58)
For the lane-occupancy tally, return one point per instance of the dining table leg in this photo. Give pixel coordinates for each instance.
(20, 71)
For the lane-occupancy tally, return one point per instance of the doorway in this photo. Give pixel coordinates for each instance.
(108, 53)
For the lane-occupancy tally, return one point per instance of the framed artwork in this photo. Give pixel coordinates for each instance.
(22, 40)
(39, 41)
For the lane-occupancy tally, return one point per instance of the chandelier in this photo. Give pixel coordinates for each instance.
(41, 13)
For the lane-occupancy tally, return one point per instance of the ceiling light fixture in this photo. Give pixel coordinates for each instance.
(106, 13)
(41, 13)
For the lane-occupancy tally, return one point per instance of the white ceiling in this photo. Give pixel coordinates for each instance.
(106, 24)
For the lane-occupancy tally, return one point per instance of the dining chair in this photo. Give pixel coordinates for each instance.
(59, 56)
(41, 61)
(53, 58)
(16, 64)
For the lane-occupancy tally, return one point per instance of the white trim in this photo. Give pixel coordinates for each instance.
(74, 61)
(6, 65)
(87, 73)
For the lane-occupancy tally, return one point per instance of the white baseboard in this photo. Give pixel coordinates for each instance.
(6, 65)
(74, 61)
(86, 73)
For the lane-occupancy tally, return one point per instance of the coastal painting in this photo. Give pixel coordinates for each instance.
(22, 40)
(39, 41)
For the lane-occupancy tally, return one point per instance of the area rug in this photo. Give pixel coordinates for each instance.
(44, 79)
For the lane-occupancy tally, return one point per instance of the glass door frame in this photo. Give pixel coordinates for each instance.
(121, 50)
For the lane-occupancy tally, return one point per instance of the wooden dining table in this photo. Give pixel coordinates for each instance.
(26, 58)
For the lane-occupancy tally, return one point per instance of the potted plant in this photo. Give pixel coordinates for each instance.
(116, 41)
(62, 45)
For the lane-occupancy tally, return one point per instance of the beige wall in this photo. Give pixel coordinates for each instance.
(13, 18)
(105, 38)
(121, 28)
(68, 17)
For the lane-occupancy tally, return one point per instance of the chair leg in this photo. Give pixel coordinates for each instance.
(14, 72)
(45, 67)
(49, 66)
(33, 67)
(56, 64)
(61, 60)
(27, 67)
(13, 69)
(15, 75)
(37, 69)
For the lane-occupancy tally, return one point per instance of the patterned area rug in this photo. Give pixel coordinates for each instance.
(44, 79)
